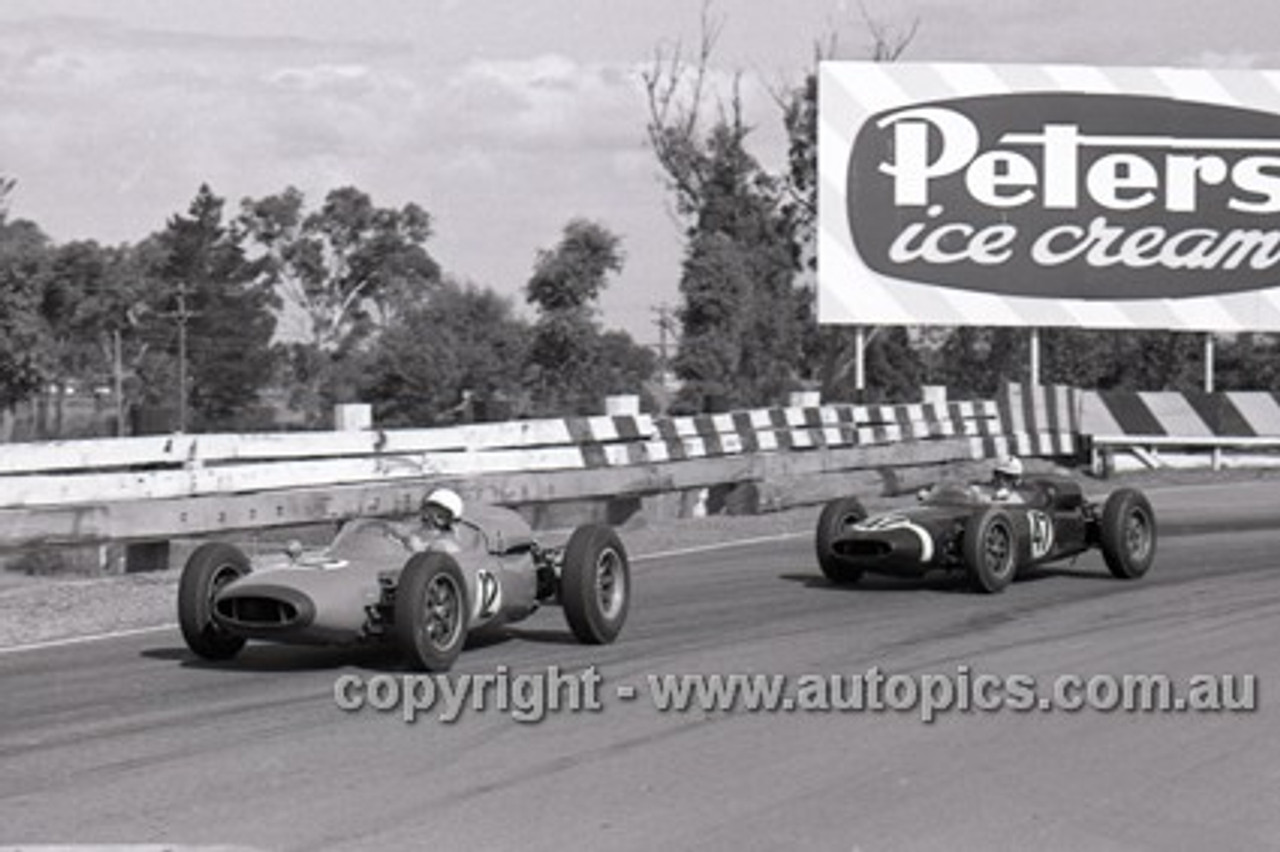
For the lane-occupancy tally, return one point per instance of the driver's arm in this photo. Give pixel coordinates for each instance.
(401, 532)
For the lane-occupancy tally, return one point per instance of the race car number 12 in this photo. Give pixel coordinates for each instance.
(488, 594)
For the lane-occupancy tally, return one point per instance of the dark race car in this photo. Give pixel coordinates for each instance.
(375, 583)
(988, 534)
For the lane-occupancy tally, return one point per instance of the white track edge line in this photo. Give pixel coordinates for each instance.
(84, 640)
(723, 545)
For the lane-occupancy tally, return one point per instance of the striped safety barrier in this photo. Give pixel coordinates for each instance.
(1191, 418)
(1040, 420)
(642, 439)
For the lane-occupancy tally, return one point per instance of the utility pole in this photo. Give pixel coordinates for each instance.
(183, 316)
(117, 373)
(666, 324)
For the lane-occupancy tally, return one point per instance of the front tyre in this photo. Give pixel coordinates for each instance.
(1128, 534)
(209, 568)
(836, 517)
(990, 550)
(431, 611)
(595, 584)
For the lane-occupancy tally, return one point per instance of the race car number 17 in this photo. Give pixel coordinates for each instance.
(1041, 534)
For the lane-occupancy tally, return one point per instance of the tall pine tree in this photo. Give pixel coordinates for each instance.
(229, 315)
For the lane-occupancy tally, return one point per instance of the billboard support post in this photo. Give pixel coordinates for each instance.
(1035, 356)
(859, 361)
(1216, 462)
(1208, 362)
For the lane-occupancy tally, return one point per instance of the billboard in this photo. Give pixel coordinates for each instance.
(1049, 195)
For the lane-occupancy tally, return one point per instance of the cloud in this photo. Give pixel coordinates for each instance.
(319, 78)
(548, 101)
(1232, 59)
(110, 131)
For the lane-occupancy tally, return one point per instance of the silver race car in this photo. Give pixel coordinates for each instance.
(376, 582)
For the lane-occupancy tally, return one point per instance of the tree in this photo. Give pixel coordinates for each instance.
(1247, 362)
(348, 266)
(347, 269)
(564, 287)
(23, 256)
(1145, 360)
(976, 362)
(624, 366)
(439, 359)
(572, 364)
(890, 354)
(6, 189)
(228, 310)
(740, 319)
(90, 295)
(571, 277)
(829, 353)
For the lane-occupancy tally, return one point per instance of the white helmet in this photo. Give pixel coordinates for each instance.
(1010, 466)
(447, 499)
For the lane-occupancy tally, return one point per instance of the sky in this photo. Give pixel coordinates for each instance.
(504, 119)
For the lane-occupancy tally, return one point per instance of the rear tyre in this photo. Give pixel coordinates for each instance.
(595, 584)
(991, 550)
(836, 517)
(209, 568)
(1128, 534)
(431, 612)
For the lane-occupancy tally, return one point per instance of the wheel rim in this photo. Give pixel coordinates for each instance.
(610, 583)
(1137, 535)
(997, 549)
(222, 575)
(441, 612)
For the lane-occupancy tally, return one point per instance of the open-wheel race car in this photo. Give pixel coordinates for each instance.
(377, 582)
(989, 534)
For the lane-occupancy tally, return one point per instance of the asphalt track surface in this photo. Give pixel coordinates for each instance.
(130, 740)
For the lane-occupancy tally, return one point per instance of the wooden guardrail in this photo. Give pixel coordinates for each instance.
(154, 488)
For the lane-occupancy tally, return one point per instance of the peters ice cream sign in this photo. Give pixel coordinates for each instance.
(1049, 195)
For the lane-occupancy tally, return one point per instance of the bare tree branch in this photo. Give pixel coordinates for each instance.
(889, 45)
(674, 89)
